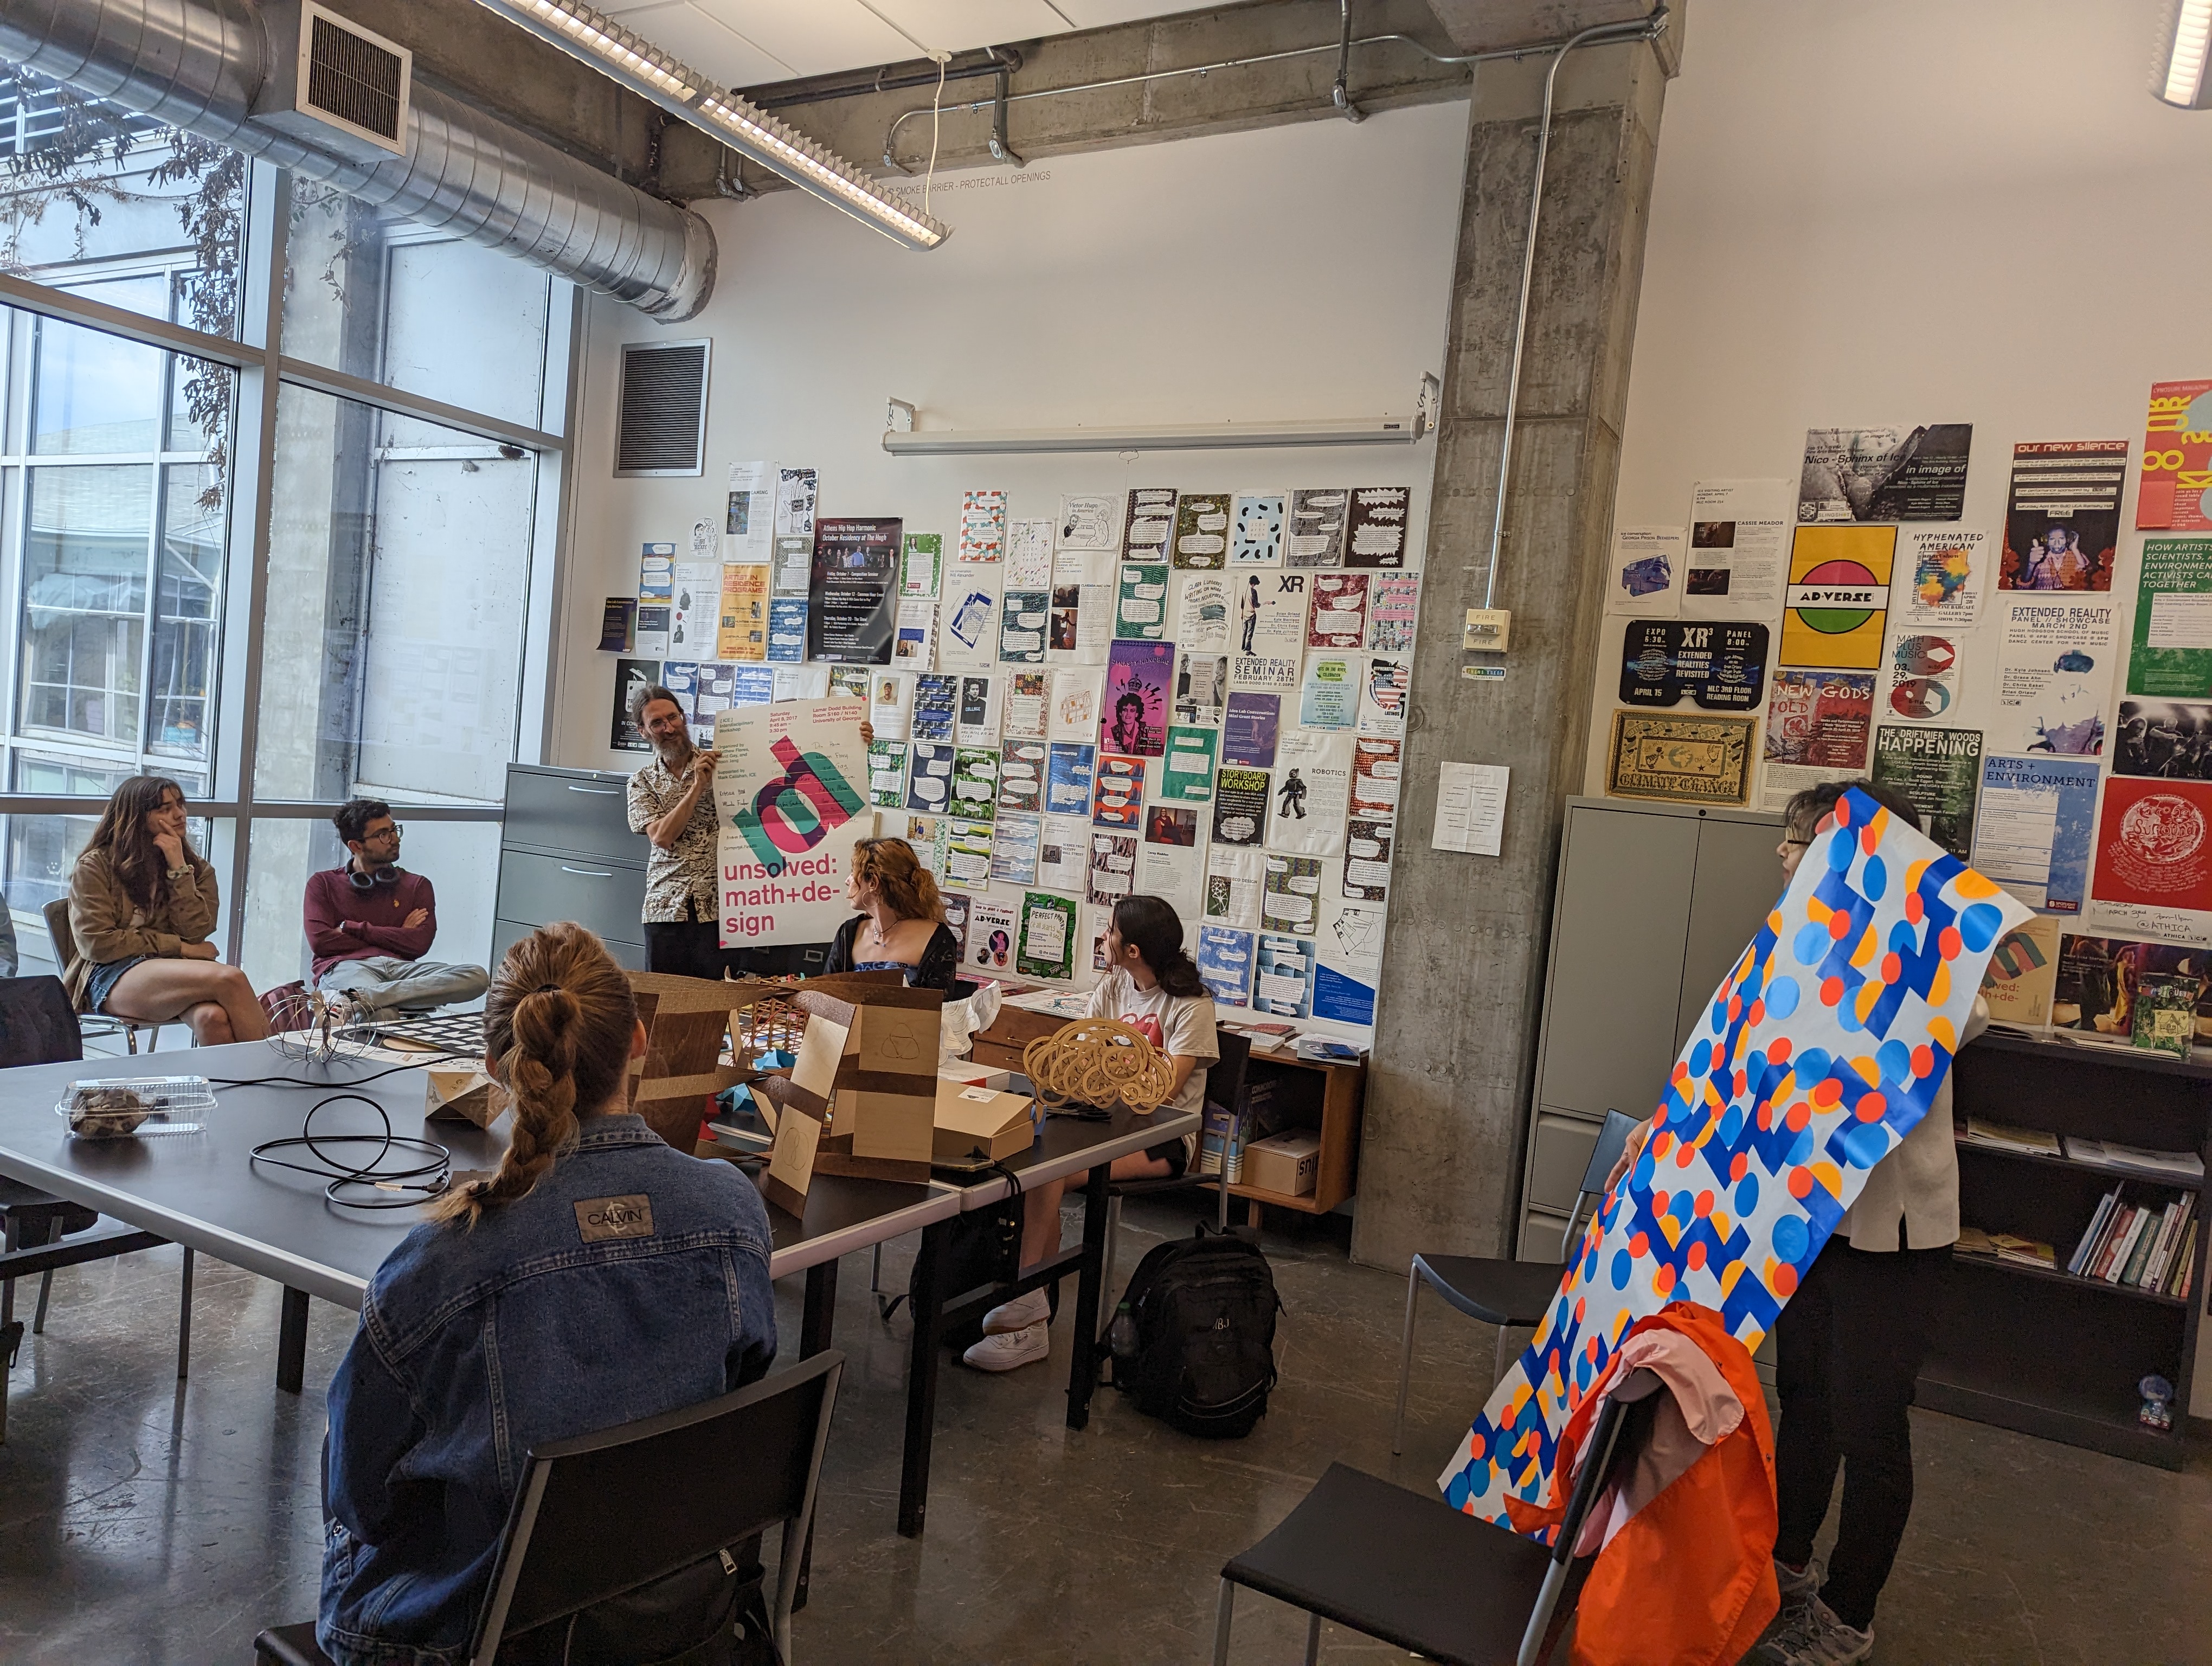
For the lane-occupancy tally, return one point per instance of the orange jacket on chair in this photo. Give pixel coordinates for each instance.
(1688, 1580)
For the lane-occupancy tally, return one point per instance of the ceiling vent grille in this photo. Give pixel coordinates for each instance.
(663, 425)
(333, 84)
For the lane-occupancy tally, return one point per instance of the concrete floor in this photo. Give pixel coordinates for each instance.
(140, 1524)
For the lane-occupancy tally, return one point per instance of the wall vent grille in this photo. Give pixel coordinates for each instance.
(354, 79)
(662, 429)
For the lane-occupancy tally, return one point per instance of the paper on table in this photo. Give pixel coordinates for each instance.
(1470, 808)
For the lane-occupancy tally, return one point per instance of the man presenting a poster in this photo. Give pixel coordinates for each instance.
(793, 793)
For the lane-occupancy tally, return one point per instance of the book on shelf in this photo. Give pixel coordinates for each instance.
(2139, 1253)
(2092, 1235)
(2005, 1246)
(2034, 1142)
(2175, 1165)
(2116, 1237)
(2184, 1275)
(2123, 1249)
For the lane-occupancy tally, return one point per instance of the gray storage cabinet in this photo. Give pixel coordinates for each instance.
(1654, 901)
(567, 853)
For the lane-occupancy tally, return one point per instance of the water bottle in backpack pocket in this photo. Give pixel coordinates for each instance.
(1204, 1312)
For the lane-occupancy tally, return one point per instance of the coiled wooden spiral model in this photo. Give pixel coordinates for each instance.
(1096, 1061)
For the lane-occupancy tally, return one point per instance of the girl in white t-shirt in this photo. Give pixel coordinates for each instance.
(1151, 986)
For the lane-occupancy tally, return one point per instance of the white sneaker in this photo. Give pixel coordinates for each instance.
(1010, 1350)
(1817, 1638)
(1019, 1314)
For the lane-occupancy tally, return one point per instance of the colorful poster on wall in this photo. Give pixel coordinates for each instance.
(982, 526)
(2023, 975)
(1316, 534)
(1722, 667)
(1290, 893)
(1689, 760)
(2153, 875)
(2098, 978)
(1148, 532)
(2171, 651)
(1923, 675)
(1338, 613)
(1825, 1045)
(1232, 885)
(743, 635)
(936, 705)
(1187, 768)
(2054, 670)
(1117, 796)
(1394, 604)
(967, 853)
(887, 769)
(1021, 776)
(1945, 574)
(975, 783)
(1112, 872)
(968, 617)
(992, 923)
(2063, 514)
(2176, 459)
(851, 603)
(1022, 619)
(1082, 602)
(1739, 533)
(2037, 821)
(1256, 529)
(1329, 693)
(1073, 714)
(1240, 807)
(921, 565)
(1014, 849)
(1068, 769)
(1088, 521)
(1375, 765)
(1367, 848)
(786, 631)
(632, 678)
(1386, 693)
(1873, 474)
(1141, 608)
(791, 787)
(1132, 716)
(1940, 771)
(929, 776)
(1645, 578)
(1248, 731)
(1201, 530)
(1225, 964)
(1377, 529)
(1282, 977)
(1047, 936)
(1837, 599)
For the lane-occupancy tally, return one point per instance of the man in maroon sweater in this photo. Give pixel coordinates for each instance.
(370, 922)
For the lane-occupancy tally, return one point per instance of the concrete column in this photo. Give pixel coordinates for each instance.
(1463, 974)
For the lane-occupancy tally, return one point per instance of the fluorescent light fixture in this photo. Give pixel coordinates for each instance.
(691, 96)
(1201, 436)
(2185, 43)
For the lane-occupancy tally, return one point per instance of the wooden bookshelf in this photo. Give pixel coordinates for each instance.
(2045, 1351)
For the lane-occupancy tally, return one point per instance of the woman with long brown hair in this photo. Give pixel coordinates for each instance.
(598, 1277)
(901, 925)
(143, 904)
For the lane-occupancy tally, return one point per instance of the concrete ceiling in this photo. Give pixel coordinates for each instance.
(749, 43)
(1481, 26)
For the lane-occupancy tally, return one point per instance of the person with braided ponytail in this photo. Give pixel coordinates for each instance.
(596, 1277)
(1152, 985)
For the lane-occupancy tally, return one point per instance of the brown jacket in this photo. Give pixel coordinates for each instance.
(107, 925)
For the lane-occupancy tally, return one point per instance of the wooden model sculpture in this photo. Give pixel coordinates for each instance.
(1095, 1062)
(866, 1076)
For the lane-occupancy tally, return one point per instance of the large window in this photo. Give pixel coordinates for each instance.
(412, 482)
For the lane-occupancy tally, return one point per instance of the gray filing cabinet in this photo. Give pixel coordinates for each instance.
(1654, 901)
(567, 853)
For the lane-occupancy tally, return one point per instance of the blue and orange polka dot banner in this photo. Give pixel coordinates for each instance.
(1822, 1049)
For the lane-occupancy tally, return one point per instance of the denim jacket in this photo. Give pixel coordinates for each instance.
(632, 1280)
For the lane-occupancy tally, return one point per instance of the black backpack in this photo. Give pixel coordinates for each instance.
(1205, 1313)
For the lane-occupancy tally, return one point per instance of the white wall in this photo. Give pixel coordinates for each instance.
(1299, 272)
(1893, 211)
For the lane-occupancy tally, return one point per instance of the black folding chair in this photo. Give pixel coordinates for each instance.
(1225, 1091)
(1409, 1569)
(606, 1513)
(37, 1026)
(63, 938)
(1509, 1294)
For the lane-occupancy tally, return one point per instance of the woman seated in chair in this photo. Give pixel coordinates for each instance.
(142, 904)
(1151, 986)
(598, 1277)
(901, 925)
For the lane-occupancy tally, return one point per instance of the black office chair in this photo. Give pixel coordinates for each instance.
(1509, 1294)
(37, 1026)
(681, 1487)
(1407, 1568)
(63, 939)
(1225, 1091)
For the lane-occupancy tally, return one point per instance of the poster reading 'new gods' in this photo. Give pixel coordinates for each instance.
(792, 792)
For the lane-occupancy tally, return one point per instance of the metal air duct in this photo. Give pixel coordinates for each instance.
(199, 64)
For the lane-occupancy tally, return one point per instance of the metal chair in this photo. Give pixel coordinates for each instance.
(1409, 1569)
(1509, 1294)
(91, 1023)
(681, 1487)
(38, 1027)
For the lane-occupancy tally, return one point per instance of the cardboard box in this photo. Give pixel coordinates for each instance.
(462, 1096)
(1289, 1164)
(975, 1075)
(972, 1119)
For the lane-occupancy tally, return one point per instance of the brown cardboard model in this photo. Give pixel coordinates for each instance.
(866, 1072)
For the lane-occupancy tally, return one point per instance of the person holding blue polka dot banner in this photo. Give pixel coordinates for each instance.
(1798, 1176)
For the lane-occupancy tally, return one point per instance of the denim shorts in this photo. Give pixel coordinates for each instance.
(104, 978)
